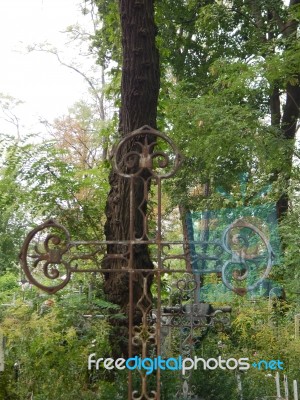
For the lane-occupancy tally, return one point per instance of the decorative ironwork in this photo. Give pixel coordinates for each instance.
(187, 323)
(239, 255)
(49, 257)
(241, 252)
(46, 255)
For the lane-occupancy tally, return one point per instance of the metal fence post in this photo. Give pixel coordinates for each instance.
(277, 380)
(1, 352)
(295, 387)
(286, 387)
(297, 326)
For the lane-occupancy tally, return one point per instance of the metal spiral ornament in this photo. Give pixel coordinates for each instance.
(241, 258)
(153, 151)
(42, 256)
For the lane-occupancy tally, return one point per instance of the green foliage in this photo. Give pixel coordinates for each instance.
(48, 340)
(220, 64)
(61, 190)
(225, 141)
(12, 197)
(108, 37)
(40, 181)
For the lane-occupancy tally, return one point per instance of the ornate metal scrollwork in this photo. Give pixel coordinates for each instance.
(43, 251)
(242, 258)
(144, 394)
(160, 163)
(241, 252)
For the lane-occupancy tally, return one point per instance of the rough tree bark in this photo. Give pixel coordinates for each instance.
(139, 97)
(286, 121)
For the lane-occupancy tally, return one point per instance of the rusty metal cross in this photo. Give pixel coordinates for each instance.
(49, 256)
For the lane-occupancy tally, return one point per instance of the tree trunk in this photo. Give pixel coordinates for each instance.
(139, 97)
(287, 122)
(289, 129)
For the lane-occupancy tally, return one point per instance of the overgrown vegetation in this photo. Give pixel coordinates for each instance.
(229, 98)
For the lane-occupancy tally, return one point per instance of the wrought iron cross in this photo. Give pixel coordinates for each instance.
(49, 256)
